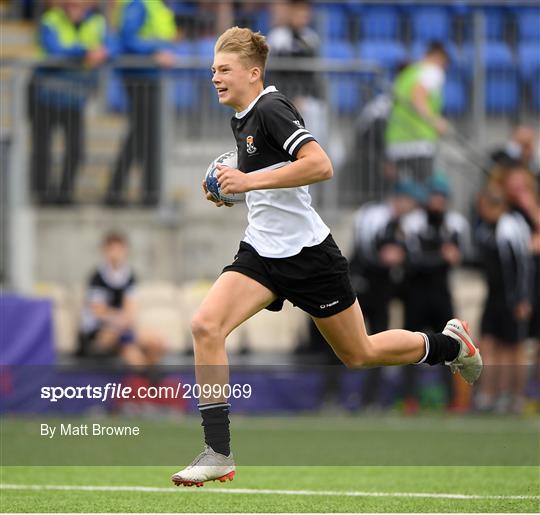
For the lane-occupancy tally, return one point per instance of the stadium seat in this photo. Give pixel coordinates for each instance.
(379, 23)
(184, 8)
(332, 22)
(273, 332)
(528, 59)
(455, 94)
(535, 92)
(148, 294)
(343, 89)
(164, 321)
(337, 50)
(460, 7)
(528, 22)
(495, 19)
(502, 92)
(262, 21)
(388, 54)
(494, 23)
(355, 7)
(498, 56)
(204, 48)
(431, 23)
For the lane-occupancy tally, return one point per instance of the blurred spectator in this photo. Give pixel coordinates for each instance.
(77, 34)
(146, 28)
(415, 122)
(376, 266)
(522, 194)
(364, 161)
(437, 240)
(296, 39)
(503, 239)
(108, 322)
(521, 148)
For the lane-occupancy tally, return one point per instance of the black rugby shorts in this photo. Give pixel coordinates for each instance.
(316, 280)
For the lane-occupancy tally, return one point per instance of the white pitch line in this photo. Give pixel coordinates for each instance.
(329, 493)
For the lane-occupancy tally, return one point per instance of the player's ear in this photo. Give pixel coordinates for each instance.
(255, 74)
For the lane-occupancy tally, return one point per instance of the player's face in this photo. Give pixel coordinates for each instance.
(517, 187)
(116, 253)
(233, 80)
(404, 204)
(437, 203)
(76, 9)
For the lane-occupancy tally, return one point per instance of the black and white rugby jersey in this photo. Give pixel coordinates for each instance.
(269, 134)
(110, 287)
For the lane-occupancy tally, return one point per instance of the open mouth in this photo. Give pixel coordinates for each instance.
(221, 91)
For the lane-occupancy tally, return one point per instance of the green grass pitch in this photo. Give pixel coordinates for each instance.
(387, 479)
(313, 489)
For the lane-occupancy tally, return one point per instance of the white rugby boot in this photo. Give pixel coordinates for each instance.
(468, 362)
(207, 466)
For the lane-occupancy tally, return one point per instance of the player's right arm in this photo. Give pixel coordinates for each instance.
(312, 165)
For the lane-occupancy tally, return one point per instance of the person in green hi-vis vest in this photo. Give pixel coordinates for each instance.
(145, 28)
(75, 33)
(415, 123)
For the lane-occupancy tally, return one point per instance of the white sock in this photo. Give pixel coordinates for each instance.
(426, 343)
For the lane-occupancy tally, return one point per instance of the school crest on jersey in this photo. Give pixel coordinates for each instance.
(251, 148)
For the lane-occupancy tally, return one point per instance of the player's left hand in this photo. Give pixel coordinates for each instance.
(232, 180)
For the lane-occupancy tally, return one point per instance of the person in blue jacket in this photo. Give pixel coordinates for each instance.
(73, 41)
(146, 28)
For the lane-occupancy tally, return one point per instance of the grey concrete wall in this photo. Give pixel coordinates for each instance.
(164, 246)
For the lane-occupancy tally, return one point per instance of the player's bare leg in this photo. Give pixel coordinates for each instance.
(232, 299)
(133, 356)
(153, 347)
(346, 333)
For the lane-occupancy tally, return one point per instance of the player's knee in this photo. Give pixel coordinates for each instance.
(359, 359)
(155, 344)
(204, 328)
(354, 362)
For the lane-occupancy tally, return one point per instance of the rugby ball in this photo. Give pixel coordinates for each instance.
(228, 159)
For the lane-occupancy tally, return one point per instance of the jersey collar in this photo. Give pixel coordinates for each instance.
(241, 114)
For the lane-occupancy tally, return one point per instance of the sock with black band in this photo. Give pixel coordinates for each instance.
(215, 422)
(439, 348)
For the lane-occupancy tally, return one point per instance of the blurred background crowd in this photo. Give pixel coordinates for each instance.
(429, 111)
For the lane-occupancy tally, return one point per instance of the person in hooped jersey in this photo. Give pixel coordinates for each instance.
(377, 265)
(437, 240)
(503, 239)
(287, 253)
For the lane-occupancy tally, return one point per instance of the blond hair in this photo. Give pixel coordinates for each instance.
(250, 46)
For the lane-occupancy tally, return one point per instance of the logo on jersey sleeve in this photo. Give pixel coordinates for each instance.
(251, 148)
(298, 124)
